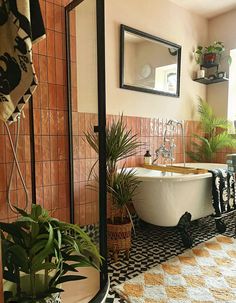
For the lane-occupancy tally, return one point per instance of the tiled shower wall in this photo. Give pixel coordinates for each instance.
(50, 120)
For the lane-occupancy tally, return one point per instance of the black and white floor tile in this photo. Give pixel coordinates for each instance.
(153, 245)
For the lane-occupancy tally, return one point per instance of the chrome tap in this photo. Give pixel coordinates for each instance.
(168, 152)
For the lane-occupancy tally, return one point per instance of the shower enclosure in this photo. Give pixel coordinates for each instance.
(86, 107)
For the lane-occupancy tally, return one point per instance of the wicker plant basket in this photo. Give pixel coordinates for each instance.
(119, 238)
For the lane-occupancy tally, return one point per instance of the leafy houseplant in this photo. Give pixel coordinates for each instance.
(38, 251)
(121, 183)
(210, 54)
(215, 137)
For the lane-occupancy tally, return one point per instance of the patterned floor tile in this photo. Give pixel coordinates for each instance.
(153, 245)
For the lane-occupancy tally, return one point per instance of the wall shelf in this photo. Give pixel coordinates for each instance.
(211, 81)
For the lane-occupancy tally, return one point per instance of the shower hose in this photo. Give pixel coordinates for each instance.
(14, 147)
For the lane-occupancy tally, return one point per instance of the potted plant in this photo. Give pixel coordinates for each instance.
(38, 254)
(209, 55)
(215, 138)
(121, 182)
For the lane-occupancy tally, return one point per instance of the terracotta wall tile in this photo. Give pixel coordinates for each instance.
(52, 43)
(44, 95)
(54, 147)
(50, 15)
(43, 73)
(60, 76)
(50, 122)
(54, 172)
(46, 155)
(51, 70)
(59, 41)
(52, 96)
(59, 14)
(45, 120)
(61, 98)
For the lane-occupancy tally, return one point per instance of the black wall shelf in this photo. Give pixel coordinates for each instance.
(211, 81)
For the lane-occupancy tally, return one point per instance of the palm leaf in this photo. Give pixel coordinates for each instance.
(216, 135)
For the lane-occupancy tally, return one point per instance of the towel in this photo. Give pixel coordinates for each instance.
(21, 24)
(223, 191)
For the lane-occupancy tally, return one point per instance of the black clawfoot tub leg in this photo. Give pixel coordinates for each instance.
(183, 227)
(220, 226)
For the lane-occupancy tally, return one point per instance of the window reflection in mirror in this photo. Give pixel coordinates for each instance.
(148, 63)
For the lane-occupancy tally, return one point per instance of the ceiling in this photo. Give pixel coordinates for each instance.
(207, 8)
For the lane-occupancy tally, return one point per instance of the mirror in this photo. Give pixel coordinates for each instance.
(148, 63)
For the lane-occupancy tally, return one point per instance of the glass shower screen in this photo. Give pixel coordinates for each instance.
(86, 98)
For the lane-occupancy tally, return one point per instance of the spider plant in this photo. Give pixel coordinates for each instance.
(216, 136)
(38, 251)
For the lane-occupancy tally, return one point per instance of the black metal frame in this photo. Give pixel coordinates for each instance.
(124, 28)
(104, 283)
(32, 150)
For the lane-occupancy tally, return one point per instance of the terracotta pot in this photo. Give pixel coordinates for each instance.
(210, 58)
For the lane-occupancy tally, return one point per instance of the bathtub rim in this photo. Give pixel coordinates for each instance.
(177, 177)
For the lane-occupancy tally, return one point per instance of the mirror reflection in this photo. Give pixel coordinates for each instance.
(148, 63)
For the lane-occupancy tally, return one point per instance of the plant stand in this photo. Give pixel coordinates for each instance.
(119, 239)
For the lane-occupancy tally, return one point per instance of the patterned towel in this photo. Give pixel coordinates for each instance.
(223, 191)
(21, 24)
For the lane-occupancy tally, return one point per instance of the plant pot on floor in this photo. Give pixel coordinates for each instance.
(25, 288)
(119, 238)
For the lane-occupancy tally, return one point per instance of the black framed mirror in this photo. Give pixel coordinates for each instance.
(148, 63)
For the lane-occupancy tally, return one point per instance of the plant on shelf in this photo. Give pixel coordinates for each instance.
(215, 138)
(211, 54)
(38, 255)
(121, 182)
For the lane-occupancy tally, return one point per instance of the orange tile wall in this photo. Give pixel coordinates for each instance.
(50, 122)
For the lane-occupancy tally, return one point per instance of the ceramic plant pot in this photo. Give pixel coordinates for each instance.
(210, 58)
(54, 298)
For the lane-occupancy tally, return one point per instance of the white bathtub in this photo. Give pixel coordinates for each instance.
(163, 199)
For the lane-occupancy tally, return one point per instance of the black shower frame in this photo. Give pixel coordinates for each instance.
(100, 9)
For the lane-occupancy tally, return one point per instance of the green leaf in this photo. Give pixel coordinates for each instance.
(36, 211)
(35, 230)
(20, 257)
(46, 265)
(10, 228)
(69, 278)
(40, 257)
(22, 212)
(37, 247)
(9, 276)
(69, 267)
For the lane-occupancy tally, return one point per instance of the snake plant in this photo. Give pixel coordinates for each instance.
(38, 251)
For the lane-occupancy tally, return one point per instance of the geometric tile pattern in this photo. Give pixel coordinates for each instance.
(153, 245)
(206, 272)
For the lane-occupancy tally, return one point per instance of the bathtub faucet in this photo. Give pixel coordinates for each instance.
(168, 152)
(164, 152)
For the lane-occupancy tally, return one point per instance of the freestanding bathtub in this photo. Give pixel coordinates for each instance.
(163, 198)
